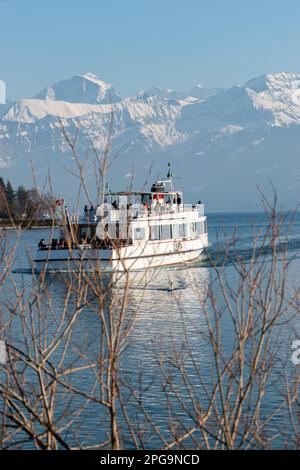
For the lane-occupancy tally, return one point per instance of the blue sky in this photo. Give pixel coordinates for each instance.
(138, 44)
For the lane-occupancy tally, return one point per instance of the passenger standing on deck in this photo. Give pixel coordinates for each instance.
(42, 244)
(54, 244)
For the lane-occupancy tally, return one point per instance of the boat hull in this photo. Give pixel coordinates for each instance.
(130, 258)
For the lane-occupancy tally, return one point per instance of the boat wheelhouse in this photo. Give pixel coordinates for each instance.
(129, 231)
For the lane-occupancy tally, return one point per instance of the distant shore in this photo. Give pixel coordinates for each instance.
(7, 225)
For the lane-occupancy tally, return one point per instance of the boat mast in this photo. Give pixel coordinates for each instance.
(170, 175)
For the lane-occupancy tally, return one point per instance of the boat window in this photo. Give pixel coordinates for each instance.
(179, 230)
(117, 230)
(86, 230)
(139, 233)
(197, 228)
(200, 227)
(154, 232)
(175, 231)
(85, 233)
(182, 230)
(166, 232)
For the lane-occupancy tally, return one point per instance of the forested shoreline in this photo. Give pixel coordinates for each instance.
(22, 206)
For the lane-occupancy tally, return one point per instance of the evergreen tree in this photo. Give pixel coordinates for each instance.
(10, 193)
(3, 208)
(2, 184)
(22, 195)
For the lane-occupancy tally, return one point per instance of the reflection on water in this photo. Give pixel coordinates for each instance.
(167, 303)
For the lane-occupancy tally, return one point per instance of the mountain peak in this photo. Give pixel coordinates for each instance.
(87, 88)
(274, 81)
(203, 92)
(89, 76)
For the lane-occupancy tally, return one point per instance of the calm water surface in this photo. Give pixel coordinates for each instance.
(166, 321)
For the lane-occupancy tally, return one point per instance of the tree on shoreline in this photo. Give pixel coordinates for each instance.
(3, 208)
(10, 193)
(24, 204)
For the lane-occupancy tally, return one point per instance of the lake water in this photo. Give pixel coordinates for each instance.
(167, 363)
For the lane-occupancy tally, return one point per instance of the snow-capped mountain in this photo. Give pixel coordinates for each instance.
(81, 89)
(198, 91)
(223, 142)
(5, 107)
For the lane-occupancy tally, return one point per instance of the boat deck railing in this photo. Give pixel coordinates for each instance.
(136, 211)
(169, 209)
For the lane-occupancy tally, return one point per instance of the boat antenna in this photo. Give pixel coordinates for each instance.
(170, 175)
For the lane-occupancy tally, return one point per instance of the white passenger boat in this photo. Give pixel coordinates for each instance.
(129, 231)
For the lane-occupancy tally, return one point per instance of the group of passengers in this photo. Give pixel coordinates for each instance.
(60, 244)
(95, 242)
(54, 245)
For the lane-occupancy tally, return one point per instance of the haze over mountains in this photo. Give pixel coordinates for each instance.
(222, 142)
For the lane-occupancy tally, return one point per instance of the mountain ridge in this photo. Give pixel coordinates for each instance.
(236, 128)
